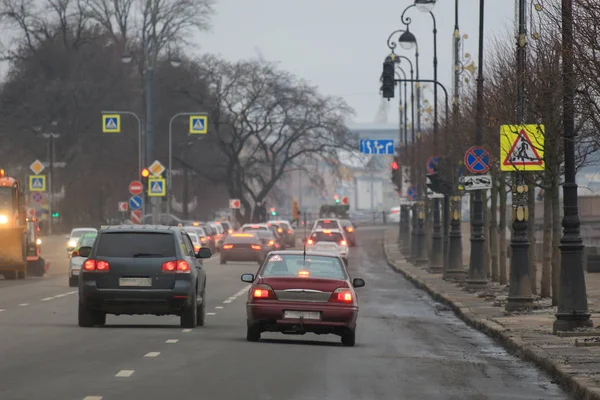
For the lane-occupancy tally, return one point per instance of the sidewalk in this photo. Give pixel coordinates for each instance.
(573, 361)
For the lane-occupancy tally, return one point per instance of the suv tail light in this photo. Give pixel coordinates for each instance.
(310, 241)
(227, 246)
(197, 248)
(350, 229)
(256, 247)
(96, 266)
(271, 243)
(203, 239)
(264, 292)
(342, 295)
(343, 243)
(179, 267)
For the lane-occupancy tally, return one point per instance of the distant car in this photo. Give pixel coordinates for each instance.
(227, 227)
(76, 260)
(348, 227)
(329, 240)
(296, 293)
(245, 246)
(211, 236)
(268, 239)
(286, 231)
(201, 234)
(75, 235)
(327, 223)
(195, 241)
(142, 269)
(219, 234)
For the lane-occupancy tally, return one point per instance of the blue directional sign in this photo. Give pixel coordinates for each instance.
(411, 192)
(135, 202)
(375, 146)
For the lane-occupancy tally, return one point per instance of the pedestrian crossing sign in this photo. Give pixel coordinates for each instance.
(157, 187)
(37, 183)
(198, 124)
(111, 123)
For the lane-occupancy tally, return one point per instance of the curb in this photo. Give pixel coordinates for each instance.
(513, 344)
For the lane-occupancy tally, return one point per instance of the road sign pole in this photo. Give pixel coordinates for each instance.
(455, 271)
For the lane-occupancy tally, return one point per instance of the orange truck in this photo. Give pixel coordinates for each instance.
(16, 232)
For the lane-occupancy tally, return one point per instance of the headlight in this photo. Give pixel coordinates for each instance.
(3, 219)
(38, 241)
(72, 243)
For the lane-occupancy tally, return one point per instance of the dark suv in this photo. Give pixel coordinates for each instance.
(142, 269)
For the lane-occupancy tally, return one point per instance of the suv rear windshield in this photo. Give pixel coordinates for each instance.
(322, 236)
(136, 244)
(328, 224)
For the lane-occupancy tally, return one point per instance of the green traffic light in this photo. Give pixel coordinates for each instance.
(55, 215)
(273, 213)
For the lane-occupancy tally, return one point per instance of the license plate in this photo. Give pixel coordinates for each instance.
(302, 314)
(135, 282)
(75, 272)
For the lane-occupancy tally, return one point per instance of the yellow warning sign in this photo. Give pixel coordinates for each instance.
(522, 148)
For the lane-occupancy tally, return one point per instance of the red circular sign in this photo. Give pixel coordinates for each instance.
(136, 187)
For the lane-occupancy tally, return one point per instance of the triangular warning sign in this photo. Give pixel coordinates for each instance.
(37, 183)
(156, 187)
(111, 123)
(523, 152)
(199, 124)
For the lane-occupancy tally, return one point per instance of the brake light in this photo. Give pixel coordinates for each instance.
(395, 211)
(228, 246)
(230, 231)
(341, 295)
(94, 265)
(179, 266)
(350, 229)
(310, 241)
(256, 247)
(263, 292)
(327, 221)
(271, 242)
(326, 231)
(197, 248)
(279, 230)
(203, 239)
(277, 245)
(343, 243)
(303, 273)
(290, 231)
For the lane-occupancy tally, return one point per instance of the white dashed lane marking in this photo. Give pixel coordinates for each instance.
(172, 341)
(219, 307)
(186, 330)
(211, 313)
(152, 354)
(23, 304)
(227, 301)
(125, 373)
(1, 309)
(93, 398)
(48, 298)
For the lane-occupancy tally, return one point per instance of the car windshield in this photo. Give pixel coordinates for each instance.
(80, 232)
(327, 236)
(263, 234)
(287, 265)
(327, 224)
(86, 240)
(194, 238)
(136, 244)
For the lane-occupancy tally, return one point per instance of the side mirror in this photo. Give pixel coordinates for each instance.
(204, 252)
(358, 282)
(248, 278)
(85, 251)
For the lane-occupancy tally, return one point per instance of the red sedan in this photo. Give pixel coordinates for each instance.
(296, 293)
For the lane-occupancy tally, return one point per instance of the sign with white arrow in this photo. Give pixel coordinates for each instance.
(477, 182)
(433, 195)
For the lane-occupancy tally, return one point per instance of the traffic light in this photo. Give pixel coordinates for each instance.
(273, 211)
(388, 82)
(337, 198)
(145, 173)
(397, 173)
(55, 215)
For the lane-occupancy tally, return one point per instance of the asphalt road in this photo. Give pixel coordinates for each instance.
(408, 347)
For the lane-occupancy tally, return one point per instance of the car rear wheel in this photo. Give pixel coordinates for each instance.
(189, 316)
(349, 338)
(73, 281)
(253, 333)
(201, 312)
(88, 318)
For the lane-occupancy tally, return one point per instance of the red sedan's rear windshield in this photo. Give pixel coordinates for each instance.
(136, 244)
(324, 236)
(292, 266)
(240, 238)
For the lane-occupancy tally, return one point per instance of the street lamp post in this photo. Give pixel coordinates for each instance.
(477, 275)
(169, 170)
(417, 233)
(572, 297)
(404, 215)
(51, 136)
(150, 54)
(407, 40)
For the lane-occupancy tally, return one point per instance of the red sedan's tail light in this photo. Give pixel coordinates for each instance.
(227, 246)
(179, 266)
(96, 266)
(342, 295)
(264, 292)
(256, 247)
